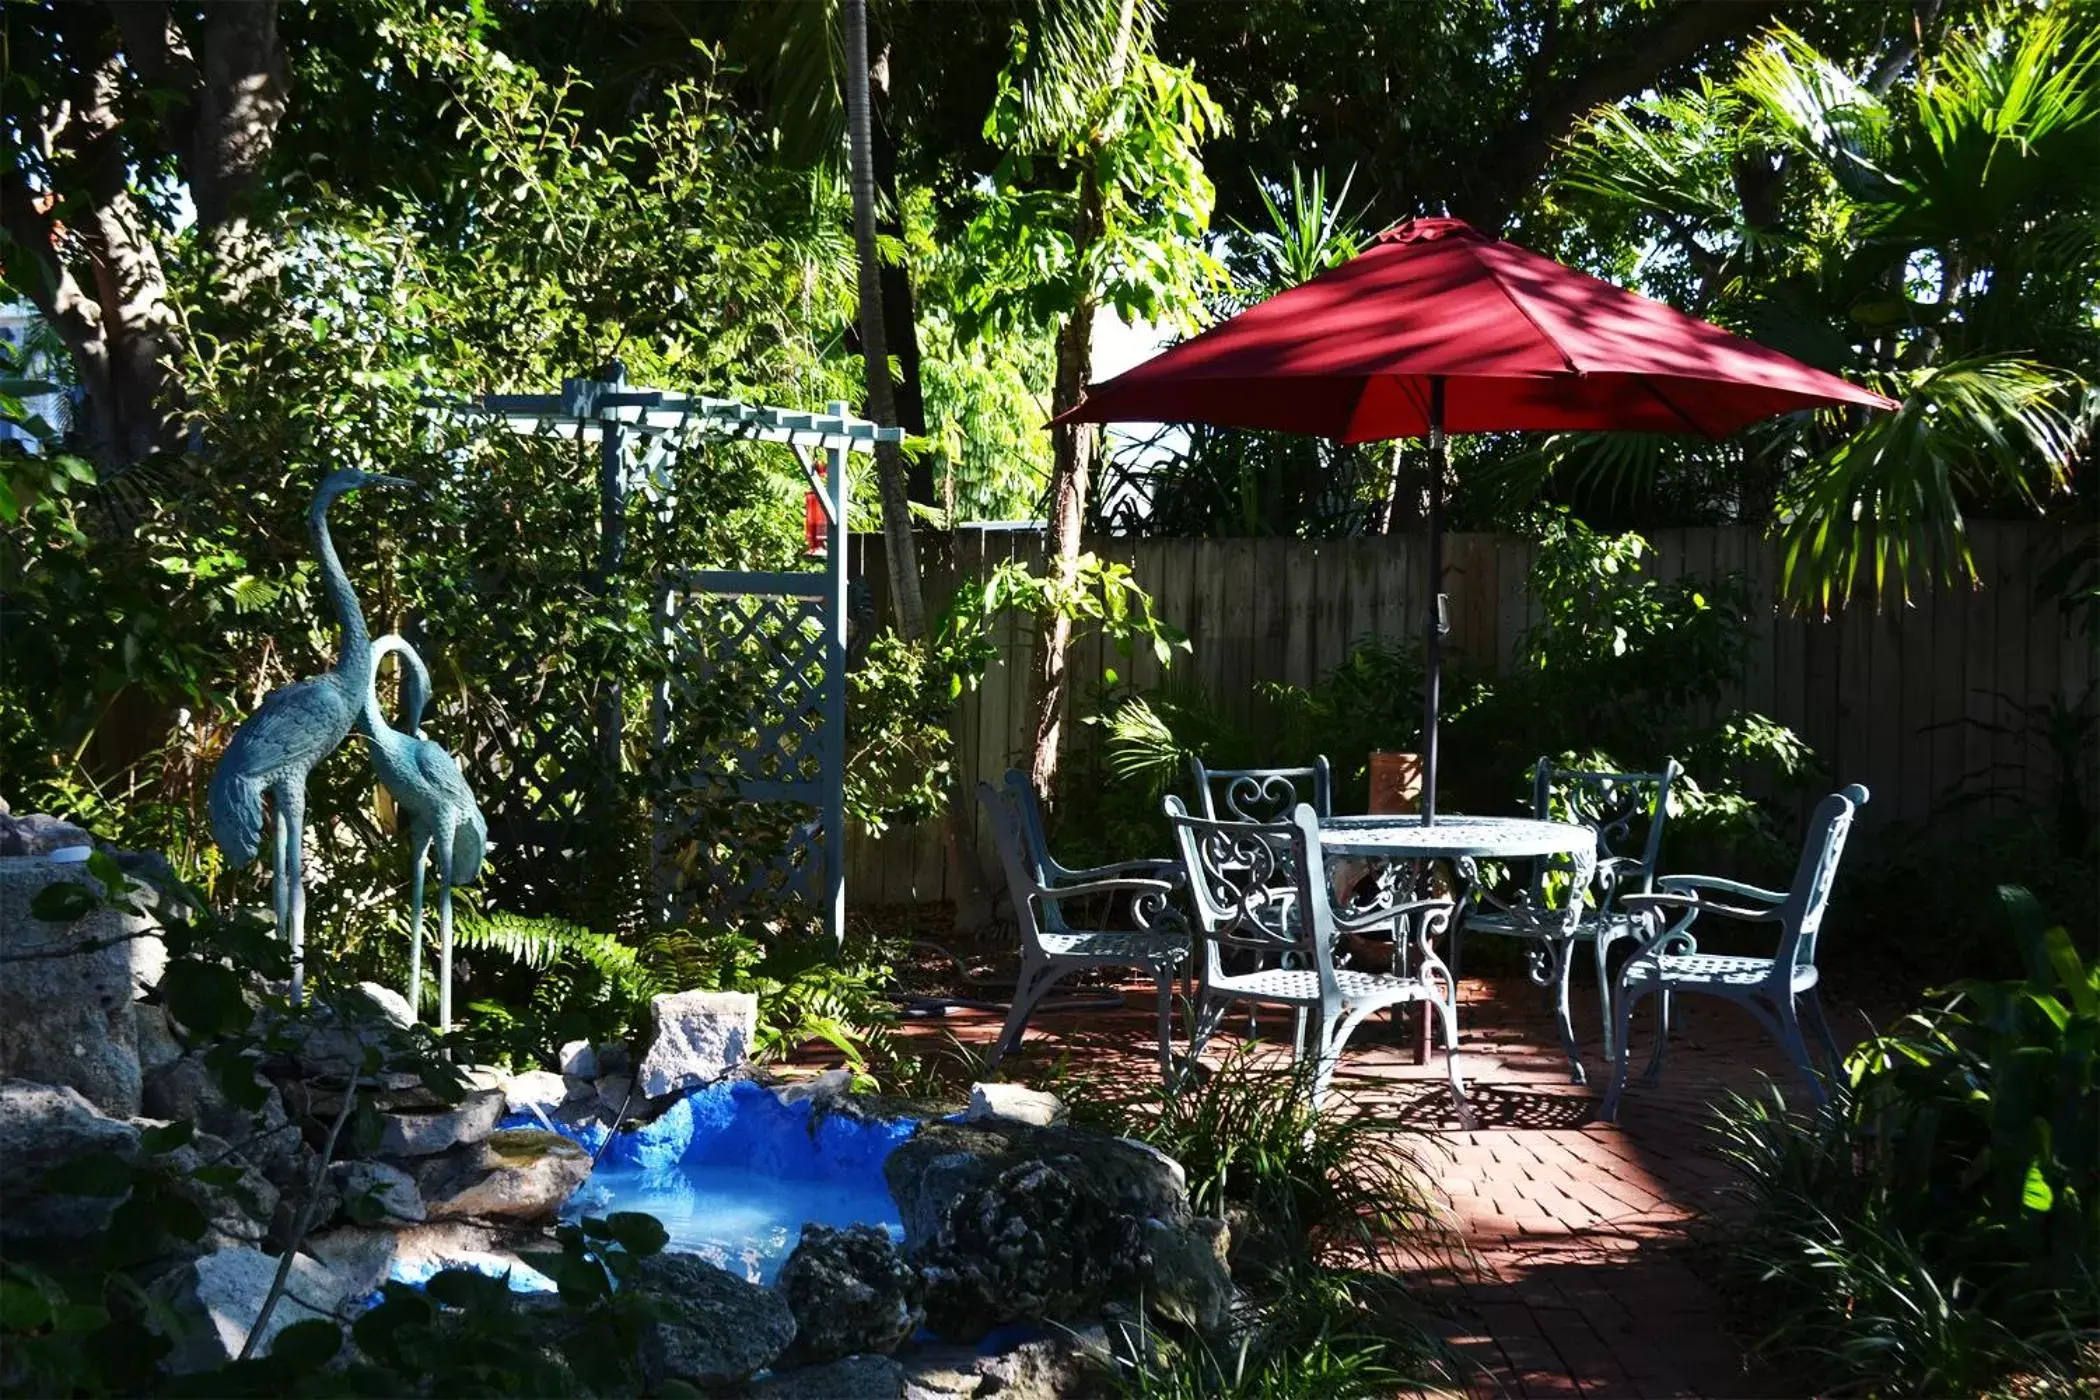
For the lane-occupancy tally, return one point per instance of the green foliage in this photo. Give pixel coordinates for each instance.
(1320, 1339)
(1100, 194)
(1933, 1229)
(1103, 597)
(1936, 236)
(1622, 671)
(806, 989)
(1331, 1184)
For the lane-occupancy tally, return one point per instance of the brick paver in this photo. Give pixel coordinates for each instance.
(1574, 1280)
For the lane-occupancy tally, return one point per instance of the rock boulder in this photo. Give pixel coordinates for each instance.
(424, 1132)
(715, 1329)
(219, 1296)
(519, 1174)
(851, 1293)
(69, 1020)
(43, 1127)
(700, 1037)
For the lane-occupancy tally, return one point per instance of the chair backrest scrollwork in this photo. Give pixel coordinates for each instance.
(1257, 887)
(1267, 795)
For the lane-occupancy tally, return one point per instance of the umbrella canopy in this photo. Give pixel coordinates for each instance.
(1520, 341)
(1438, 328)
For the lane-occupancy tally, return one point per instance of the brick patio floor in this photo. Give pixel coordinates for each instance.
(1579, 1232)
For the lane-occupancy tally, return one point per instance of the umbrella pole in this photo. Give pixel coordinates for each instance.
(1433, 648)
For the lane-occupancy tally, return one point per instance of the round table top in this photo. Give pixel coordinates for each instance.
(1453, 835)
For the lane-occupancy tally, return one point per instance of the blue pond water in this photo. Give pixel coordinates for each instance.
(734, 1174)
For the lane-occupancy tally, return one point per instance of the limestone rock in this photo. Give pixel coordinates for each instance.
(70, 1020)
(157, 1043)
(579, 1060)
(220, 1296)
(700, 1037)
(1075, 1364)
(391, 1006)
(851, 1378)
(535, 1089)
(1187, 1280)
(237, 1213)
(42, 1127)
(928, 1171)
(851, 1293)
(413, 1133)
(189, 1088)
(823, 1091)
(520, 1174)
(366, 1256)
(38, 834)
(617, 1097)
(390, 1191)
(1017, 1103)
(715, 1329)
(1010, 1222)
(942, 1373)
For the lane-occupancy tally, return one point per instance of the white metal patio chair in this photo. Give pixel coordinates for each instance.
(1777, 990)
(1029, 807)
(1262, 887)
(1628, 812)
(1152, 940)
(1262, 794)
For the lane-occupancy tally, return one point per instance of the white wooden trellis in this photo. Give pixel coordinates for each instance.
(796, 620)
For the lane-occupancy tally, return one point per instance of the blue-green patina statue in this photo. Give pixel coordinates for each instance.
(296, 727)
(443, 820)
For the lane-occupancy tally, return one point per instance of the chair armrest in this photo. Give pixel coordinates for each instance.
(1696, 905)
(1684, 884)
(1168, 870)
(1092, 887)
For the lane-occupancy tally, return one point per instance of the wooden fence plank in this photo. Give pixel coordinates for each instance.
(1874, 695)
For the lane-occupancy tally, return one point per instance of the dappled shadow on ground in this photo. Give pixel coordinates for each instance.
(1580, 1277)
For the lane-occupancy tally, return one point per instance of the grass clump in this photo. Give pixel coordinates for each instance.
(1933, 1229)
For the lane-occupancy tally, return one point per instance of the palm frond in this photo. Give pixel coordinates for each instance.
(1886, 503)
(1807, 103)
(1075, 50)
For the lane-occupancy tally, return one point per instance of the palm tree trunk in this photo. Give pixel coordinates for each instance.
(1072, 459)
(972, 906)
(906, 595)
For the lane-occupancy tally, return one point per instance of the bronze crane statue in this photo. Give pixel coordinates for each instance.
(296, 727)
(442, 816)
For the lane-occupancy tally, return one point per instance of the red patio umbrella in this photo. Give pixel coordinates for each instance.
(1438, 328)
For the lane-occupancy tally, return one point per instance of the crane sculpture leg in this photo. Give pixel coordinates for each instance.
(418, 848)
(444, 869)
(291, 888)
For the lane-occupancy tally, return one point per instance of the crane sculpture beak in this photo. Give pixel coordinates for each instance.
(391, 481)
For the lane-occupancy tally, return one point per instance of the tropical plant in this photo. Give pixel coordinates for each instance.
(1099, 200)
(1932, 1229)
(1936, 238)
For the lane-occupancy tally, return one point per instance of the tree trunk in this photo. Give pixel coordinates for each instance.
(215, 105)
(906, 595)
(1071, 478)
(900, 312)
(972, 907)
(1072, 459)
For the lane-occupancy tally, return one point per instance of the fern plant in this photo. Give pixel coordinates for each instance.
(583, 985)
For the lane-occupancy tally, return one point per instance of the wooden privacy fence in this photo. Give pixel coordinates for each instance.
(1921, 703)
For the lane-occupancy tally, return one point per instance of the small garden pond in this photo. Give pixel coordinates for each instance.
(734, 1173)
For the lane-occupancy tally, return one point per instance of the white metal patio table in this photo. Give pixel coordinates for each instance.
(1402, 838)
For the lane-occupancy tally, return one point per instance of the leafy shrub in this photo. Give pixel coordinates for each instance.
(1933, 1229)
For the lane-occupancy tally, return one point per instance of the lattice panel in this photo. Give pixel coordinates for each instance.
(742, 748)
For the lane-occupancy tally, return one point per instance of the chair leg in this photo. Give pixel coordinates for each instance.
(1564, 960)
(1604, 942)
(1447, 1011)
(1205, 1018)
(1796, 1048)
(1623, 1059)
(1812, 1001)
(1653, 1074)
(1034, 981)
(1298, 1033)
(1166, 1026)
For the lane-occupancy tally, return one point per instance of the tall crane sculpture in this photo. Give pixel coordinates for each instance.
(296, 727)
(427, 785)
